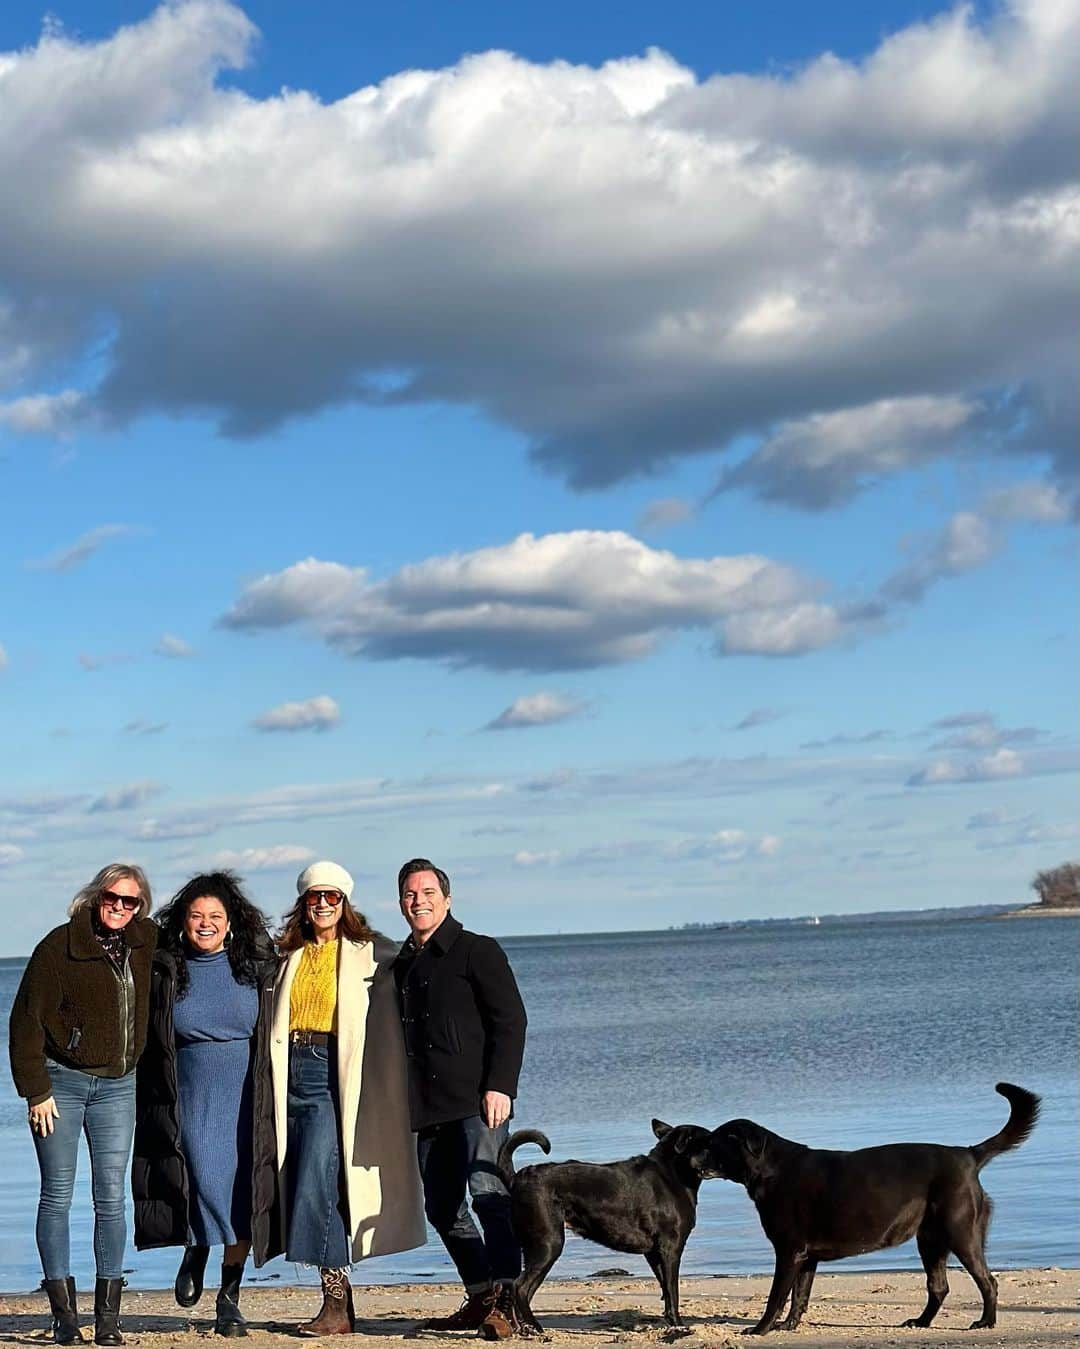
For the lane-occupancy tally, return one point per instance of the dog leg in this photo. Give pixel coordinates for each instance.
(664, 1263)
(800, 1295)
(970, 1255)
(934, 1250)
(783, 1281)
(543, 1237)
(966, 1232)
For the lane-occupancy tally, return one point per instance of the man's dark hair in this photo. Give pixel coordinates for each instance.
(422, 864)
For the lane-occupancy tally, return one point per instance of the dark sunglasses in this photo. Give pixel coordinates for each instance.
(110, 899)
(316, 897)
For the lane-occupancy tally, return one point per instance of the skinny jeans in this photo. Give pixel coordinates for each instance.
(102, 1109)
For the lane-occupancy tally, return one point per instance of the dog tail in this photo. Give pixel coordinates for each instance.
(1022, 1119)
(505, 1161)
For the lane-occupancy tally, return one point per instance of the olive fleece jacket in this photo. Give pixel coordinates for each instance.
(70, 1005)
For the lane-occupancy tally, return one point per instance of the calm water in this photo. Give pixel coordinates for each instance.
(840, 1036)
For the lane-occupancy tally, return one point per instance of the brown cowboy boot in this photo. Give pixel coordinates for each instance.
(469, 1316)
(336, 1313)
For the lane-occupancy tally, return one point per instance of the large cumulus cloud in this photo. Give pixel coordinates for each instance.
(623, 263)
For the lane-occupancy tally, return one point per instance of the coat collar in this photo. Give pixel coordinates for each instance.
(441, 940)
(83, 943)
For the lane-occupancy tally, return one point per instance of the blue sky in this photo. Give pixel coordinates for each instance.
(628, 457)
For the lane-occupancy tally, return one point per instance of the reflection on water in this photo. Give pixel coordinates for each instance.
(841, 1035)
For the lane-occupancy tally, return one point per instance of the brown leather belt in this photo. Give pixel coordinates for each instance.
(310, 1037)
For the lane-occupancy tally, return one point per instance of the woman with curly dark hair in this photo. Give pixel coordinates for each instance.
(204, 1172)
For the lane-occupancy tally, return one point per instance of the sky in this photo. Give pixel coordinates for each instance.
(625, 454)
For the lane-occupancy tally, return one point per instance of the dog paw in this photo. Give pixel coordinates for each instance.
(916, 1322)
(983, 1323)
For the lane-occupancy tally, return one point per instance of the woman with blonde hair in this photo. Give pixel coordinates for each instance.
(78, 1026)
(345, 1149)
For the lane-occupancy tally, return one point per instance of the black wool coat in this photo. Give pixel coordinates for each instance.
(159, 1178)
(69, 1006)
(464, 1023)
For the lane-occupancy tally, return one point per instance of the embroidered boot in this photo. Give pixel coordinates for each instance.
(336, 1313)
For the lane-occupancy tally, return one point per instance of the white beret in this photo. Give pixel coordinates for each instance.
(324, 876)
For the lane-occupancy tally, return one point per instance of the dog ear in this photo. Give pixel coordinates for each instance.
(660, 1129)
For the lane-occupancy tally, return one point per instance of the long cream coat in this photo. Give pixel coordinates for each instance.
(386, 1211)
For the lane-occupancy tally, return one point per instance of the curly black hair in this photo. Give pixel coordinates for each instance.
(249, 938)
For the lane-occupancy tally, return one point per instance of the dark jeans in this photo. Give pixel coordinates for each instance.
(102, 1108)
(315, 1204)
(459, 1157)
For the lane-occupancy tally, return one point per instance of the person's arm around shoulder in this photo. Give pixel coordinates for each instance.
(503, 1014)
(38, 990)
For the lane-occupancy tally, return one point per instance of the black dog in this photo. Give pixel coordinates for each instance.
(816, 1205)
(647, 1205)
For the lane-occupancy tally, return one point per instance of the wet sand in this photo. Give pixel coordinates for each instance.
(1037, 1309)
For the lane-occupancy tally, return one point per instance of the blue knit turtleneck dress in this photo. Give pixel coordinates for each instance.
(213, 1025)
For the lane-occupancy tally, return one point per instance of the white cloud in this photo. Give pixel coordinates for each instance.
(759, 716)
(536, 709)
(313, 714)
(699, 260)
(174, 647)
(824, 459)
(664, 514)
(524, 858)
(1031, 502)
(124, 798)
(143, 726)
(4, 662)
(965, 542)
(275, 858)
(556, 601)
(84, 547)
(160, 831)
(983, 733)
(10, 854)
(783, 632)
(1003, 763)
(44, 414)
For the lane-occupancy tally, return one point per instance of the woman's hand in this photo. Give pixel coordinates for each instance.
(494, 1108)
(41, 1117)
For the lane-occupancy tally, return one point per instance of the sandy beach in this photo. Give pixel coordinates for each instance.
(1038, 1307)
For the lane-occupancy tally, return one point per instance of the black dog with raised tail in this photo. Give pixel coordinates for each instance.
(646, 1205)
(817, 1205)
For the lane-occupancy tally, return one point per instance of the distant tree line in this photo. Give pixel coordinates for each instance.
(1059, 887)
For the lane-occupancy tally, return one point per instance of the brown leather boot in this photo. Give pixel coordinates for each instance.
(469, 1316)
(336, 1313)
(501, 1322)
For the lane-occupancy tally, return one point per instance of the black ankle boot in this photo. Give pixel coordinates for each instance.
(107, 1311)
(65, 1316)
(229, 1320)
(189, 1277)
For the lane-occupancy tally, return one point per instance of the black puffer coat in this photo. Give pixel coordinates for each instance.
(159, 1180)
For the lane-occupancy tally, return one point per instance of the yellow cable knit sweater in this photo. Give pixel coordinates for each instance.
(313, 996)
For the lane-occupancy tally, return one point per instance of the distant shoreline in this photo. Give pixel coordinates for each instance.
(943, 913)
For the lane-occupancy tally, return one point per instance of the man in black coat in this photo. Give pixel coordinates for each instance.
(464, 1025)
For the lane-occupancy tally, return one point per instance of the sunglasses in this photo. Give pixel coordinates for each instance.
(110, 899)
(314, 898)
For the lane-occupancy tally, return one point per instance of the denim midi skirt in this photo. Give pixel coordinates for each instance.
(316, 1205)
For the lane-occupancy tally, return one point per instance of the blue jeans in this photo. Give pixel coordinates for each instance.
(315, 1206)
(103, 1108)
(460, 1156)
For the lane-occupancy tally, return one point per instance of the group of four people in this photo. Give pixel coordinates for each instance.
(313, 1094)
